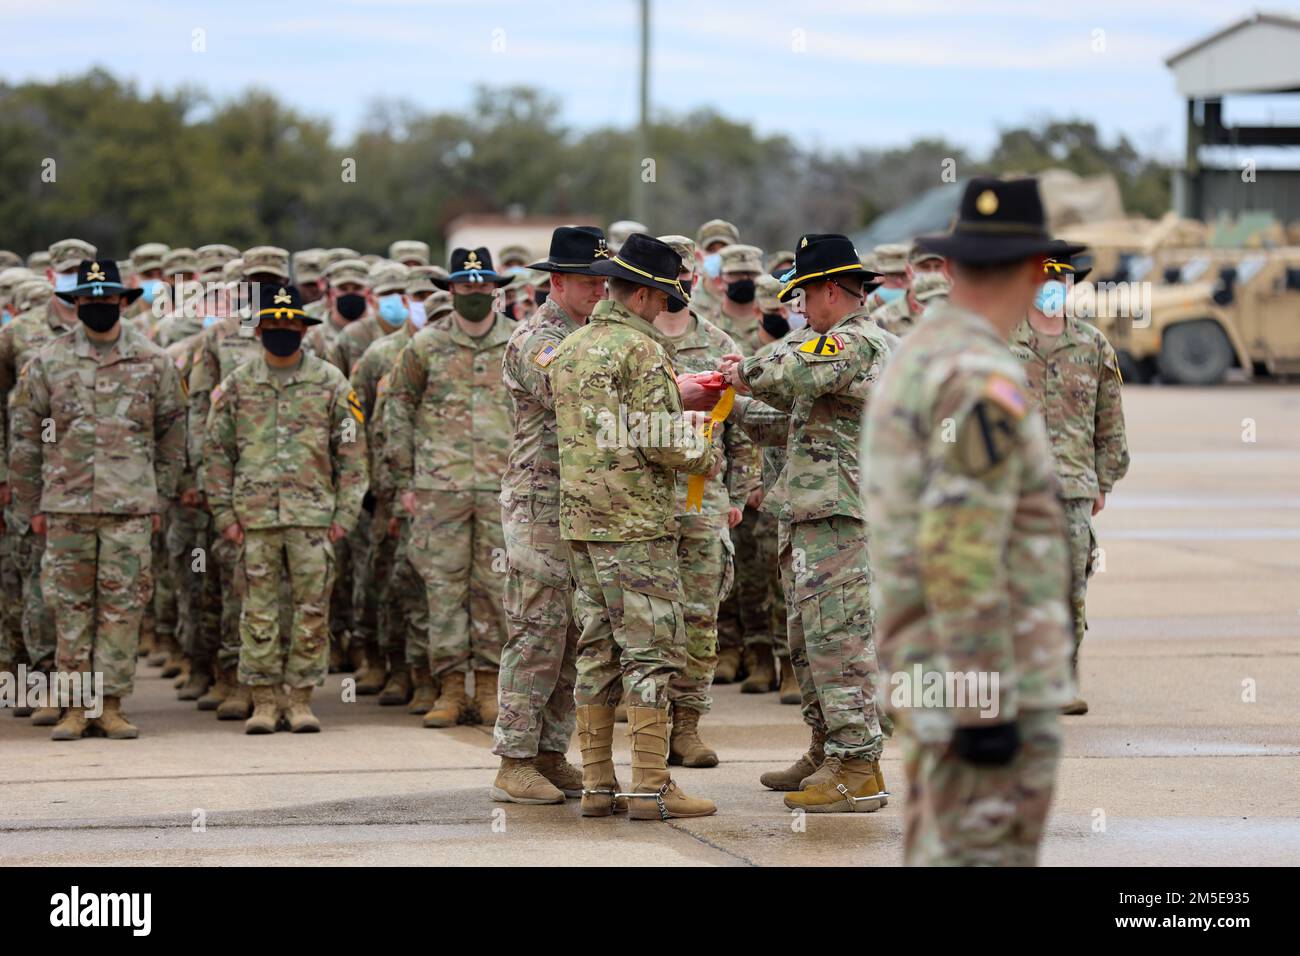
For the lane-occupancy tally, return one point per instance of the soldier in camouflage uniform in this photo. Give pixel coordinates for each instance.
(622, 438)
(817, 383)
(29, 331)
(898, 317)
(348, 300)
(146, 270)
(98, 442)
(710, 238)
(308, 275)
(538, 662)
(1074, 381)
(447, 418)
(890, 261)
(411, 253)
(284, 472)
(969, 548)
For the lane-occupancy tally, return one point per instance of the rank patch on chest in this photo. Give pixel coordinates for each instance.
(1006, 393)
(823, 345)
(545, 357)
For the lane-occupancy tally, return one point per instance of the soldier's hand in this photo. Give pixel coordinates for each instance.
(5, 495)
(192, 498)
(40, 524)
(408, 502)
(734, 517)
(1099, 503)
(695, 397)
(994, 746)
(337, 533)
(155, 522)
(234, 534)
(394, 527)
(732, 371)
(755, 499)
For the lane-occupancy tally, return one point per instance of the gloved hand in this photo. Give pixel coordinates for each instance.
(992, 746)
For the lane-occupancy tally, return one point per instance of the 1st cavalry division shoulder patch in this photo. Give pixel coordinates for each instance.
(355, 405)
(826, 346)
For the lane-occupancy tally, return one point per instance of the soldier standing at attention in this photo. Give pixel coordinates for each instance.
(538, 662)
(969, 547)
(622, 440)
(1074, 381)
(99, 442)
(284, 472)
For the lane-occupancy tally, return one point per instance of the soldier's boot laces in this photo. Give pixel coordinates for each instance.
(518, 781)
(265, 712)
(197, 684)
(376, 676)
(790, 691)
(237, 705)
(840, 786)
(728, 666)
(451, 704)
(485, 697)
(686, 749)
(565, 776)
(301, 719)
(72, 726)
(219, 691)
(596, 740)
(654, 795)
(46, 716)
(424, 691)
(112, 723)
(398, 689)
(762, 671)
(791, 777)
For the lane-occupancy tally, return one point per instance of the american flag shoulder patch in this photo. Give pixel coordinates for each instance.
(546, 356)
(1007, 394)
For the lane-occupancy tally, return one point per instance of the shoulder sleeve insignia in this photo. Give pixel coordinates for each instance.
(354, 404)
(986, 438)
(381, 384)
(180, 363)
(826, 345)
(216, 395)
(1006, 393)
(546, 356)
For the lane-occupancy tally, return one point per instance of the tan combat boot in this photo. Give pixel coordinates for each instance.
(197, 684)
(398, 689)
(46, 716)
(686, 749)
(485, 697)
(1075, 708)
(301, 719)
(72, 726)
(762, 671)
(237, 705)
(654, 795)
(424, 691)
(357, 660)
(518, 781)
(839, 786)
(376, 675)
(790, 691)
(113, 723)
(183, 675)
(620, 712)
(175, 663)
(565, 776)
(163, 649)
(596, 740)
(219, 691)
(265, 712)
(880, 782)
(805, 766)
(145, 648)
(336, 664)
(728, 666)
(451, 703)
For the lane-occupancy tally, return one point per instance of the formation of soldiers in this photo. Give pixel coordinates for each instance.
(578, 492)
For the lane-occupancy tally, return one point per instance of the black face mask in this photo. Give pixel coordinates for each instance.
(541, 295)
(99, 316)
(281, 342)
(350, 305)
(775, 325)
(742, 291)
(673, 304)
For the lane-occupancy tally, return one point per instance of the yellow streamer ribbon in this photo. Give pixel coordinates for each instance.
(695, 483)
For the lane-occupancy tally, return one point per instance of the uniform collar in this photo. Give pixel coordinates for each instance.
(308, 370)
(497, 334)
(124, 347)
(552, 313)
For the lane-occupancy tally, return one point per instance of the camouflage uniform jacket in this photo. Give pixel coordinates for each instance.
(219, 350)
(1074, 382)
(21, 338)
(181, 354)
(117, 422)
(447, 411)
(370, 381)
(743, 333)
(319, 339)
(173, 327)
(353, 340)
(897, 317)
(820, 385)
(968, 539)
(285, 454)
(619, 419)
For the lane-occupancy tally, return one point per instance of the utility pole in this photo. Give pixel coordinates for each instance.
(638, 205)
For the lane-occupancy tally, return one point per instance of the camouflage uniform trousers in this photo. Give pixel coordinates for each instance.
(305, 558)
(363, 598)
(456, 546)
(229, 558)
(342, 623)
(539, 660)
(745, 617)
(706, 562)
(198, 601)
(98, 572)
(12, 650)
(1078, 519)
(766, 535)
(165, 615)
(959, 814)
(628, 606)
(830, 622)
(38, 629)
(404, 604)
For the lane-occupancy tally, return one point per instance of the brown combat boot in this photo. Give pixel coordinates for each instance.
(1075, 708)
(266, 714)
(686, 749)
(728, 666)
(145, 648)
(376, 675)
(197, 683)
(451, 704)
(596, 740)
(620, 712)
(424, 691)
(219, 691)
(357, 659)
(654, 795)
(175, 663)
(880, 782)
(237, 705)
(163, 649)
(565, 776)
(518, 781)
(72, 726)
(485, 697)
(46, 716)
(762, 671)
(839, 786)
(805, 766)
(301, 719)
(336, 664)
(113, 723)
(790, 691)
(398, 689)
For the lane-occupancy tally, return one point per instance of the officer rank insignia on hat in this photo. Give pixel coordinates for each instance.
(355, 405)
(825, 345)
(546, 356)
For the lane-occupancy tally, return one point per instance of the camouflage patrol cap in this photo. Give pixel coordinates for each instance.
(308, 265)
(684, 246)
(38, 261)
(11, 276)
(420, 279)
(181, 260)
(918, 254)
(9, 259)
(147, 257)
(127, 266)
(267, 260)
(930, 285)
(337, 254)
(716, 230)
(618, 232)
(514, 255)
(213, 258)
(30, 293)
(741, 258)
(782, 258)
(348, 270)
(891, 258)
(386, 277)
(767, 291)
(66, 254)
(437, 305)
(406, 250)
(233, 271)
(372, 259)
(438, 272)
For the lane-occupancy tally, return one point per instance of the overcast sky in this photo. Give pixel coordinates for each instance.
(827, 72)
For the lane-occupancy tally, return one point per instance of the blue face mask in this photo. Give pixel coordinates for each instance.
(64, 281)
(151, 289)
(392, 309)
(713, 265)
(890, 295)
(210, 320)
(797, 320)
(5, 317)
(1051, 298)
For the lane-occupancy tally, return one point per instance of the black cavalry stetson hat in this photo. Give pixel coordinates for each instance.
(573, 250)
(470, 265)
(95, 278)
(1060, 262)
(281, 303)
(824, 255)
(646, 261)
(1001, 220)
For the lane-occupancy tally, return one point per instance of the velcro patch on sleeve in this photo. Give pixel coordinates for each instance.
(546, 356)
(355, 405)
(986, 438)
(824, 346)
(1006, 393)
